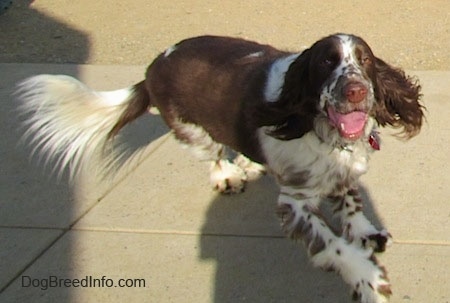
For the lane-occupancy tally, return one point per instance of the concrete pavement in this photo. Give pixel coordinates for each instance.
(412, 34)
(160, 223)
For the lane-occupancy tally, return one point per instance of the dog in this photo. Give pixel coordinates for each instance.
(308, 118)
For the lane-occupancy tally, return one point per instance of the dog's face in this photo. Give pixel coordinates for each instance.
(343, 65)
(339, 80)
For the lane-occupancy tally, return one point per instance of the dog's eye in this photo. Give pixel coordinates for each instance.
(365, 60)
(327, 62)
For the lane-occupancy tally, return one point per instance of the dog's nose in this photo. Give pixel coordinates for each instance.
(355, 92)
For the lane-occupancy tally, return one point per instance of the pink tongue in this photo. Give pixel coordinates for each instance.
(351, 125)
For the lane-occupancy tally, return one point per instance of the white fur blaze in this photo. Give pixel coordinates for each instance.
(66, 122)
(275, 78)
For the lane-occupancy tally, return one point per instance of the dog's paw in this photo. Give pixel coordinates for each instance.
(377, 241)
(367, 236)
(369, 280)
(227, 178)
(359, 268)
(374, 290)
(252, 169)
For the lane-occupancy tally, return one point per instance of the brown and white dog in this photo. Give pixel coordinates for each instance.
(309, 118)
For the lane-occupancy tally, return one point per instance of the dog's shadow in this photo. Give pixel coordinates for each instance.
(242, 235)
(254, 261)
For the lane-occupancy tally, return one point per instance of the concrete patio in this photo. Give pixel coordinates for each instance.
(157, 225)
(161, 222)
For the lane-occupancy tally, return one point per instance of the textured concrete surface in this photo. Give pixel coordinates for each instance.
(158, 220)
(161, 221)
(413, 34)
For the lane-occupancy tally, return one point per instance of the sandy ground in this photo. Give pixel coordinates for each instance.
(412, 34)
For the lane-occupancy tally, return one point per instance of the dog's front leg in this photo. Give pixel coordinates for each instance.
(359, 268)
(356, 228)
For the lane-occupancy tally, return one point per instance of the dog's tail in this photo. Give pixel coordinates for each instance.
(69, 124)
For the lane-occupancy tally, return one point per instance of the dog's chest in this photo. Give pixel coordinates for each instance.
(314, 168)
(339, 170)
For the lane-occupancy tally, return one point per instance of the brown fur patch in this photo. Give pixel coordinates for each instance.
(284, 211)
(137, 106)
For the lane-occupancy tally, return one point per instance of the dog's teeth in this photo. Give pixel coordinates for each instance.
(342, 126)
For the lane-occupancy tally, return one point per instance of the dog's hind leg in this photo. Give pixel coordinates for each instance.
(225, 176)
(253, 170)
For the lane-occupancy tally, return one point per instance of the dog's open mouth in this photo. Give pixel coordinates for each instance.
(350, 125)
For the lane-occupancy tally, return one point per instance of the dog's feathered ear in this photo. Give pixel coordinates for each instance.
(292, 115)
(398, 99)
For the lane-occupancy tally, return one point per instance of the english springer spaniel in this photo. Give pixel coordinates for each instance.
(309, 118)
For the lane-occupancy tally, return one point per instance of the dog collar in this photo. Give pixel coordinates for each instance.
(374, 140)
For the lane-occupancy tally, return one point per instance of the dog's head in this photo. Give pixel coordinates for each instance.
(340, 78)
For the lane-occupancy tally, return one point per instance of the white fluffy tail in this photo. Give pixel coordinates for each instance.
(67, 123)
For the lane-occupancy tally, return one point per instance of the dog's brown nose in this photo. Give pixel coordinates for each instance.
(355, 92)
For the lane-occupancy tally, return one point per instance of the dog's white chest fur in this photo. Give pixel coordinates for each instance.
(313, 167)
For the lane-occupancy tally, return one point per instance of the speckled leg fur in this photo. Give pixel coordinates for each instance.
(356, 228)
(358, 267)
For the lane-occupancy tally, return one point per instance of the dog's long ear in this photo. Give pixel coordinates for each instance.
(398, 99)
(292, 115)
